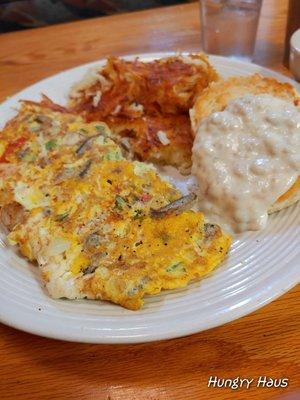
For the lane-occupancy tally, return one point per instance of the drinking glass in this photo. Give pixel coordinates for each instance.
(229, 27)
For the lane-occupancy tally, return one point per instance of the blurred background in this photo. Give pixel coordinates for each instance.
(22, 14)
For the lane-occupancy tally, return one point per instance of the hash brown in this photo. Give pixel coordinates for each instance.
(147, 104)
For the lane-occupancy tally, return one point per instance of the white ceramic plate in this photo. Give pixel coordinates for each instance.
(260, 267)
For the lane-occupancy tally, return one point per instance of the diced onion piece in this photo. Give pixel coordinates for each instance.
(97, 98)
(57, 246)
(29, 197)
(136, 107)
(163, 138)
(117, 109)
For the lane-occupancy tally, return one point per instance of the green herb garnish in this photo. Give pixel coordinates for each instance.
(138, 214)
(177, 267)
(62, 217)
(51, 144)
(101, 129)
(120, 202)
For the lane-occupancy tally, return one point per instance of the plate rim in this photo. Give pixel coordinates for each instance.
(77, 338)
(265, 297)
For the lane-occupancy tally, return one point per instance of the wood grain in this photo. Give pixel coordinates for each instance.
(266, 342)
(28, 56)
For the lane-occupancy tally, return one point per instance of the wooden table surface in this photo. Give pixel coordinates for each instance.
(265, 343)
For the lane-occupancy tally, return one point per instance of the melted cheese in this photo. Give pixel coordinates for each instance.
(244, 158)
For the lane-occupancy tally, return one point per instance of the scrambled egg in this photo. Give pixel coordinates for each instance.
(86, 213)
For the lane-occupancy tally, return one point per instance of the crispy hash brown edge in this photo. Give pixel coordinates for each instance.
(150, 134)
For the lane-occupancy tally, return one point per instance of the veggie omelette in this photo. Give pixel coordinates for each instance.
(87, 215)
